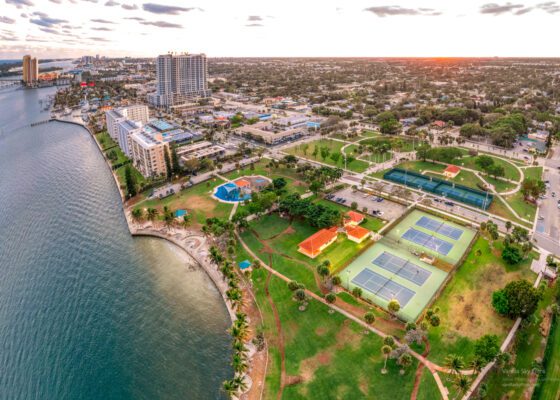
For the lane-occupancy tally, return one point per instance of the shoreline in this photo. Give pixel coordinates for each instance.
(212, 273)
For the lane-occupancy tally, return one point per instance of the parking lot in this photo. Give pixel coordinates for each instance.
(388, 209)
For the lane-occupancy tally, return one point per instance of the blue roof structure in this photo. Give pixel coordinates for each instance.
(180, 213)
(244, 264)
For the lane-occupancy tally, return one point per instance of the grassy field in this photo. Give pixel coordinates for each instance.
(326, 355)
(196, 199)
(511, 172)
(551, 384)
(428, 387)
(105, 140)
(529, 346)
(353, 150)
(521, 207)
(406, 144)
(533, 172)
(276, 240)
(465, 304)
(334, 147)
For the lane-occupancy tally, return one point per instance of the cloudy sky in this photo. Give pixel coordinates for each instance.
(63, 28)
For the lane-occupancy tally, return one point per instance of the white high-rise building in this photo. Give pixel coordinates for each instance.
(137, 113)
(126, 129)
(180, 78)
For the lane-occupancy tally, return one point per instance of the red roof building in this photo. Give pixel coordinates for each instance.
(357, 233)
(242, 183)
(353, 218)
(319, 241)
(451, 171)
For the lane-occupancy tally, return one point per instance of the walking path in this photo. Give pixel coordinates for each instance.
(434, 368)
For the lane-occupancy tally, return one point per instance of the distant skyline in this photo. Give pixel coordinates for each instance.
(251, 28)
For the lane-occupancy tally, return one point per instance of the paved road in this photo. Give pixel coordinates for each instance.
(547, 232)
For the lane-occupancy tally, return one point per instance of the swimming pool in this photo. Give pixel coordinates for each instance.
(231, 192)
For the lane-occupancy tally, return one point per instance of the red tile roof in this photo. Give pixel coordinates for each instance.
(354, 216)
(313, 243)
(453, 169)
(357, 231)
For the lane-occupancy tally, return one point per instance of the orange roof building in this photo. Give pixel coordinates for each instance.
(319, 241)
(357, 233)
(451, 171)
(353, 218)
(242, 183)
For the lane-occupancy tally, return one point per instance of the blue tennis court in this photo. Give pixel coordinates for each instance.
(430, 242)
(383, 287)
(403, 268)
(440, 227)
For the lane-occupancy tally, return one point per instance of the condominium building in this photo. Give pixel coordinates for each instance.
(126, 129)
(30, 70)
(180, 78)
(148, 154)
(138, 113)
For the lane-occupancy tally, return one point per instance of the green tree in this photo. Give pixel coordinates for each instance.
(517, 299)
(455, 363)
(512, 255)
(369, 317)
(168, 166)
(394, 306)
(385, 350)
(487, 348)
(330, 298)
(130, 182)
(176, 167)
(137, 214)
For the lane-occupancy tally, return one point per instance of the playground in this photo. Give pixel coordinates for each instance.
(240, 189)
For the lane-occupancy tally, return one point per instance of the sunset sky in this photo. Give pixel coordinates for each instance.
(376, 28)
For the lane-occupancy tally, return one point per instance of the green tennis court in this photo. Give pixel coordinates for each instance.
(425, 233)
(385, 272)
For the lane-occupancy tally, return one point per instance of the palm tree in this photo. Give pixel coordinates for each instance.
(454, 363)
(137, 214)
(385, 350)
(239, 381)
(239, 364)
(323, 271)
(461, 383)
(230, 388)
(477, 364)
(152, 213)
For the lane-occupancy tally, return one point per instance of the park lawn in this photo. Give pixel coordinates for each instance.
(326, 355)
(465, 304)
(511, 171)
(407, 144)
(196, 199)
(500, 185)
(533, 172)
(353, 150)
(270, 225)
(342, 136)
(497, 207)
(521, 207)
(368, 133)
(334, 147)
(529, 346)
(428, 387)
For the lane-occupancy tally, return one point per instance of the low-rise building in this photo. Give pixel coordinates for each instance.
(451, 171)
(200, 150)
(319, 241)
(357, 233)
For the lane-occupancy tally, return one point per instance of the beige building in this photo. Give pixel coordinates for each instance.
(137, 113)
(30, 70)
(148, 154)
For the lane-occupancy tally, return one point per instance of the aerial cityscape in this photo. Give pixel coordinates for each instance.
(244, 214)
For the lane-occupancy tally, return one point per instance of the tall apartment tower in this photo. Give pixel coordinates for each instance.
(180, 77)
(30, 68)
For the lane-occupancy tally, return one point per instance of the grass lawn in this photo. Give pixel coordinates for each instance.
(465, 305)
(334, 147)
(500, 209)
(521, 207)
(326, 355)
(533, 172)
(196, 199)
(407, 144)
(367, 133)
(500, 185)
(105, 140)
(121, 157)
(276, 241)
(511, 172)
(529, 346)
(428, 387)
(140, 180)
(353, 150)
(551, 383)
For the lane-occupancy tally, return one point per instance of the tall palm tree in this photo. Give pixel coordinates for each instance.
(385, 350)
(239, 381)
(461, 383)
(230, 387)
(152, 213)
(477, 364)
(239, 364)
(137, 214)
(455, 363)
